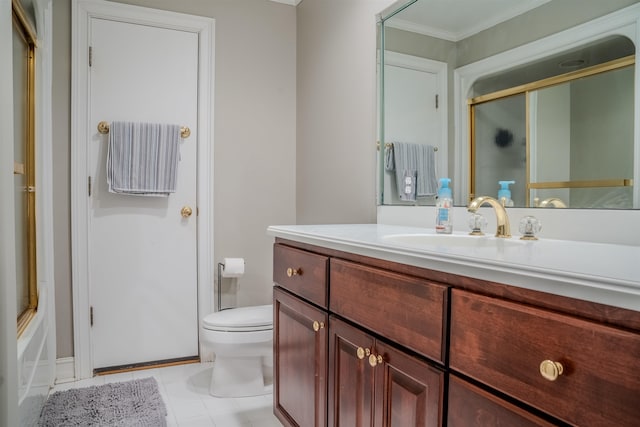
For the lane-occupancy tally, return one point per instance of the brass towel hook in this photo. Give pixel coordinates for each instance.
(103, 127)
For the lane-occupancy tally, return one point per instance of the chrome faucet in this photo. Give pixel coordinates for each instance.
(502, 219)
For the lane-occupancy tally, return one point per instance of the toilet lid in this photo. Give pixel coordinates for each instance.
(254, 318)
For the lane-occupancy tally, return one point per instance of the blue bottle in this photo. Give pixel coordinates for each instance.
(504, 194)
(444, 206)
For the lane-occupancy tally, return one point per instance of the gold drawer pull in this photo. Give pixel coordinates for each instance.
(362, 352)
(294, 272)
(550, 370)
(317, 325)
(374, 360)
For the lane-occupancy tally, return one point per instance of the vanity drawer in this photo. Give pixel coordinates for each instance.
(301, 272)
(471, 406)
(408, 310)
(503, 345)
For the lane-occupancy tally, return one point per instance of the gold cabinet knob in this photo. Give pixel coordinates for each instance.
(317, 325)
(294, 272)
(375, 360)
(362, 352)
(186, 212)
(550, 370)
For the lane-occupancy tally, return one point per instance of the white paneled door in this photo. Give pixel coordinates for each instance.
(415, 109)
(142, 252)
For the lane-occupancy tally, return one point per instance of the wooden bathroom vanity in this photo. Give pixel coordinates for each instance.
(368, 333)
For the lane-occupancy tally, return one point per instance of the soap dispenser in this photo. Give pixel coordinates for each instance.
(504, 194)
(444, 208)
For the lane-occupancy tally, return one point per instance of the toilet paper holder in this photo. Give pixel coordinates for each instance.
(218, 286)
(219, 302)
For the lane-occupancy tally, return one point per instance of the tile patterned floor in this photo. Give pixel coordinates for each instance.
(184, 389)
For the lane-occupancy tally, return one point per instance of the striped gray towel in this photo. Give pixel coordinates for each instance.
(413, 160)
(142, 158)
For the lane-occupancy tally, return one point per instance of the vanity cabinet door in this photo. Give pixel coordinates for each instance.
(350, 376)
(409, 391)
(373, 384)
(592, 370)
(303, 273)
(470, 406)
(300, 361)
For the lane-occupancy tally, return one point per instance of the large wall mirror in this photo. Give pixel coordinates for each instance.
(539, 92)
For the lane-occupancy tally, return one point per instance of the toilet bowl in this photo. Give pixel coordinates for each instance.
(242, 340)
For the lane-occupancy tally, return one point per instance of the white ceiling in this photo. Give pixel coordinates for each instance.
(457, 19)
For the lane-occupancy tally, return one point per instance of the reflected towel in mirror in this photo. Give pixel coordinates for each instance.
(408, 159)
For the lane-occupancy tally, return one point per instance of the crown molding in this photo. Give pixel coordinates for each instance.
(289, 2)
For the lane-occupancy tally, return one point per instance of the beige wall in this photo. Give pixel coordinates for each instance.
(254, 139)
(61, 124)
(336, 107)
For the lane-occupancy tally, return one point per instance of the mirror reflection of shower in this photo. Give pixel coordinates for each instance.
(427, 30)
(574, 133)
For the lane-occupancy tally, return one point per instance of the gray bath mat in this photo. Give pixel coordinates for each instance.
(133, 403)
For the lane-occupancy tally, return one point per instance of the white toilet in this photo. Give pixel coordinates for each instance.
(242, 340)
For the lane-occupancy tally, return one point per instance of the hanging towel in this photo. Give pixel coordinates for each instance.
(412, 160)
(142, 158)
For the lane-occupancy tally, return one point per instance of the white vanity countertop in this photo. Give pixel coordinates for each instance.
(598, 272)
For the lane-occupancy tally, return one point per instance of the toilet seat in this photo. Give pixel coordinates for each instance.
(241, 319)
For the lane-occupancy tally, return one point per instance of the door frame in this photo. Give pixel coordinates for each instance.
(82, 12)
(440, 70)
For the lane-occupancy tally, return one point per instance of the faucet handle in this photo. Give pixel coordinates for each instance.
(529, 226)
(477, 224)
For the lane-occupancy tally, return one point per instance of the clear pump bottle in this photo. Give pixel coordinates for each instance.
(444, 205)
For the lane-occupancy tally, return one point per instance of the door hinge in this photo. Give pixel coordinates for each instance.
(89, 185)
(91, 315)
(90, 56)
(436, 102)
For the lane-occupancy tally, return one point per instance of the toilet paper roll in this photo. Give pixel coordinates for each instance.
(233, 267)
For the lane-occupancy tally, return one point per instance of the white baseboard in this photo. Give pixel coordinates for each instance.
(65, 370)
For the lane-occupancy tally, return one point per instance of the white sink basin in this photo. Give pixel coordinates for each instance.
(451, 241)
